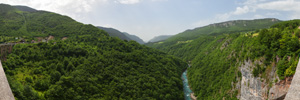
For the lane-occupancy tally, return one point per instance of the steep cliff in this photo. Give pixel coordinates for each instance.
(239, 64)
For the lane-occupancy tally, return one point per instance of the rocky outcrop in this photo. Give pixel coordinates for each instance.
(257, 88)
(251, 87)
(280, 89)
(294, 90)
(5, 91)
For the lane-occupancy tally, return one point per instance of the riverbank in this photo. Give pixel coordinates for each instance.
(188, 93)
(193, 96)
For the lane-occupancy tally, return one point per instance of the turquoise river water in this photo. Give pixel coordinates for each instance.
(186, 88)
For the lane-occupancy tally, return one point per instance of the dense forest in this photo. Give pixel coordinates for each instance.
(82, 62)
(216, 58)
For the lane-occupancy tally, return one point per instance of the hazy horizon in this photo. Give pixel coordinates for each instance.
(149, 18)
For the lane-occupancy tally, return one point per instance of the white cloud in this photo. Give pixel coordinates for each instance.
(281, 5)
(57, 5)
(128, 1)
(76, 9)
(272, 7)
(240, 10)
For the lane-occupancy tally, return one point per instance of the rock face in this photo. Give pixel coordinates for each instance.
(251, 87)
(279, 90)
(5, 91)
(256, 88)
(294, 90)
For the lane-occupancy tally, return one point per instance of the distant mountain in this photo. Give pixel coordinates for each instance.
(226, 27)
(213, 30)
(25, 8)
(122, 35)
(135, 38)
(160, 38)
(81, 61)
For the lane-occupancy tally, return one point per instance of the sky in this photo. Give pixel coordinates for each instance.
(149, 18)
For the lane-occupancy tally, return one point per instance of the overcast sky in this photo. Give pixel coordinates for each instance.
(149, 18)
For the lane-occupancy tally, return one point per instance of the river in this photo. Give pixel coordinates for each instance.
(186, 88)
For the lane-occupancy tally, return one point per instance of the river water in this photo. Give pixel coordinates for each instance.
(186, 88)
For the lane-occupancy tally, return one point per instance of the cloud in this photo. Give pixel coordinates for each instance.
(290, 6)
(272, 7)
(128, 1)
(57, 5)
(240, 10)
(281, 5)
(255, 9)
(76, 9)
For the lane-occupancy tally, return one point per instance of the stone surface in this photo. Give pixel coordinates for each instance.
(251, 87)
(279, 90)
(5, 91)
(254, 88)
(294, 90)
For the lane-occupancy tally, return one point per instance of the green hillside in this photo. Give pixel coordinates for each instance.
(135, 38)
(82, 62)
(160, 38)
(192, 40)
(216, 58)
(122, 35)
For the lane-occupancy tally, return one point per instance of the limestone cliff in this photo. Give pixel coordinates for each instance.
(258, 88)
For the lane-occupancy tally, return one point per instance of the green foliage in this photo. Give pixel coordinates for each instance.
(82, 71)
(258, 70)
(88, 65)
(216, 57)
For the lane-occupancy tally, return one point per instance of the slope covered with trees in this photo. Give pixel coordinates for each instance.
(160, 38)
(89, 64)
(122, 35)
(216, 58)
(189, 43)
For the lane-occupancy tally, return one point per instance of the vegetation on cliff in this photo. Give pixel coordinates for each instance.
(216, 57)
(88, 65)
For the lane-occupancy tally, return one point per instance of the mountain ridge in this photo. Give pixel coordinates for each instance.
(81, 61)
(122, 35)
(229, 62)
(160, 38)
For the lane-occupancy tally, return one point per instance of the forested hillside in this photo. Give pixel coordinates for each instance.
(217, 58)
(189, 43)
(160, 38)
(82, 62)
(122, 35)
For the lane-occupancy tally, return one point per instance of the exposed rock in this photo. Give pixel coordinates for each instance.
(225, 44)
(257, 88)
(50, 38)
(252, 88)
(294, 90)
(279, 90)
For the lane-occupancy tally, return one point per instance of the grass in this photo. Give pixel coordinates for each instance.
(188, 41)
(255, 34)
